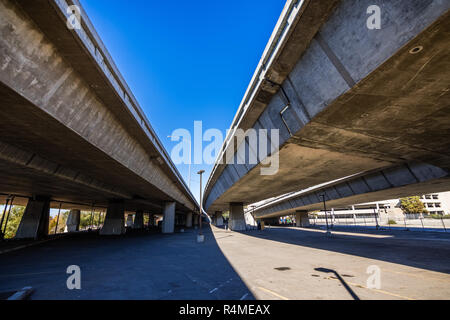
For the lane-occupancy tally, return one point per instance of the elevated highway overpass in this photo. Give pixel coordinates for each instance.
(347, 100)
(71, 130)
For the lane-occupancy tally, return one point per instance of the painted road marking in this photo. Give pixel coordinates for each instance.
(244, 296)
(272, 293)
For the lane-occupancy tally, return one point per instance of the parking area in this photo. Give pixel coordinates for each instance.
(137, 266)
(284, 263)
(291, 263)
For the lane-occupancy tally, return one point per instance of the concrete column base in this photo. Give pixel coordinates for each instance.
(35, 220)
(302, 219)
(115, 219)
(168, 225)
(73, 221)
(219, 219)
(195, 220)
(189, 220)
(237, 218)
(138, 220)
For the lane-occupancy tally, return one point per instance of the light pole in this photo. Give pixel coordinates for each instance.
(200, 237)
(190, 160)
(326, 216)
(252, 208)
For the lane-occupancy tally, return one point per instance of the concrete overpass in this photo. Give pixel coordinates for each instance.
(71, 129)
(393, 182)
(346, 100)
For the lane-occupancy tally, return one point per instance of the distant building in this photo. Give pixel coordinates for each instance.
(435, 203)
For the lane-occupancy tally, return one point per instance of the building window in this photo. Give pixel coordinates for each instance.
(437, 205)
(430, 205)
(435, 196)
(428, 197)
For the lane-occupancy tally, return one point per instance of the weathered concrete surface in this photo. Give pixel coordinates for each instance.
(70, 126)
(353, 100)
(389, 183)
(189, 220)
(413, 265)
(73, 221)
(218, 218)
(168, 225)
(237, 218)
(115, 219)
(154, 260)
(302, 219)
(35, 220)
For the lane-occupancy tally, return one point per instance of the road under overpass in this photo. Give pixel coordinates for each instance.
(347, 100)
(71, 130)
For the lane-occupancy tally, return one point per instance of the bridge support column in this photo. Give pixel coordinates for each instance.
(73, 221)
(237, 218)
(168, 225)
(189, 220)
(138, 220)
(219, 218)
(195, 219)
(35, 220)
(114, 221)
(302, 219)
(151, 220)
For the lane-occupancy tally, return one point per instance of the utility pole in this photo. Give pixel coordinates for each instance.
(200, 237)
(326, 216)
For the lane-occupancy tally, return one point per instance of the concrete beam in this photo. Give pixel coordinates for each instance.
(348, 104)
(395, 182)
(168, 225)
(35, 220)
(73, 221)
(115, 219)
(76, 119)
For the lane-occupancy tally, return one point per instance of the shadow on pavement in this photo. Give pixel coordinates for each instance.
(423, 250)
(137, 266)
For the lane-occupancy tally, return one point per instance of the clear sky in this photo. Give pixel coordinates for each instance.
(186, 61)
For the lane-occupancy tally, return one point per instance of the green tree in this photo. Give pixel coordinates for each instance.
(61, 223)
(13, 221)
(412, 205)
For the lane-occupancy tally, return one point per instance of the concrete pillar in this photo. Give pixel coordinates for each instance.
(138, 220)
(302, 219)
(35, 220)
(189, 220)
(237, 218)
(195, 219)
(219, 218)
(168, 225)
(151, 220)
(115, 219)
(73, 221)
(129, 223)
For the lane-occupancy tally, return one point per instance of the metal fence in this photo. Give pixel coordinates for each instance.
(413, 222)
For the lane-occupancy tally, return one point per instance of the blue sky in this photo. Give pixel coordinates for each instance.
(186, 61)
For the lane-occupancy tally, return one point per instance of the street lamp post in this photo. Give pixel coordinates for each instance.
(200, 237)
(326, 216)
